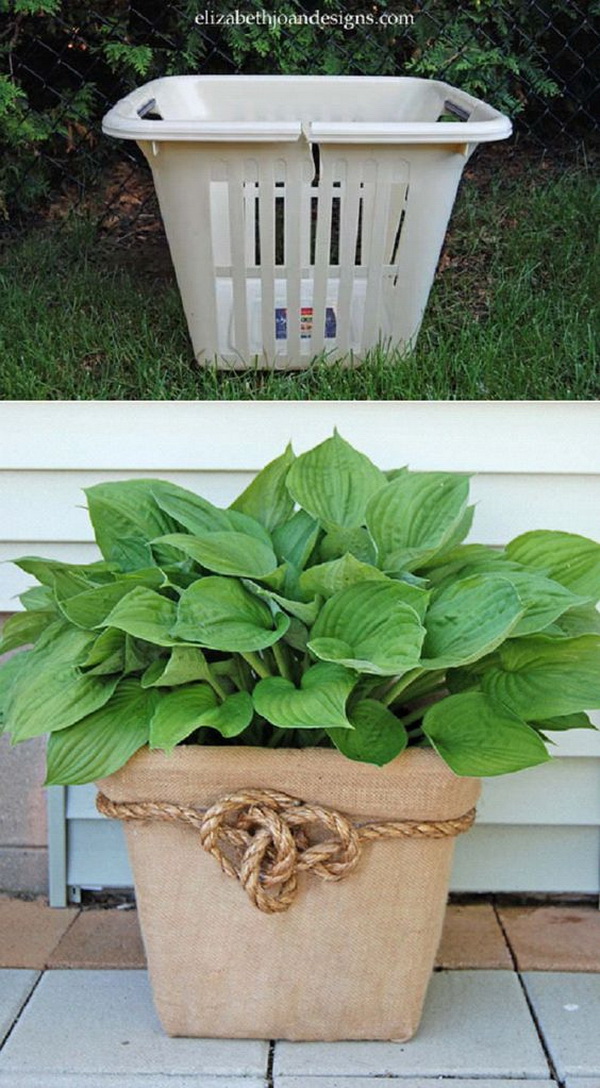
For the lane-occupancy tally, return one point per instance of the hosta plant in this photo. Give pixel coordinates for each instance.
(332, 604)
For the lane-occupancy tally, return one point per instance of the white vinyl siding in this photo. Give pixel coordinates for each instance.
(534, 465)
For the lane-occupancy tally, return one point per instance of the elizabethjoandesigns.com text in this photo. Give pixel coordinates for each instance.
(321, 19)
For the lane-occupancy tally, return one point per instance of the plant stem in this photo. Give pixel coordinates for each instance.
(424, 684)
(256, 662)
(282, 661)
(414, 716)
(400, 686)
(243, 675)
(216, 686)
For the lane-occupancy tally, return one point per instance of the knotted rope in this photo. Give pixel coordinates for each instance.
(265, 838)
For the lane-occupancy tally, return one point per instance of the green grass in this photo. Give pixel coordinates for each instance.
(513, 313)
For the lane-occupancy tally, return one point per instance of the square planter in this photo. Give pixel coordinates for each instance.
(347, 960)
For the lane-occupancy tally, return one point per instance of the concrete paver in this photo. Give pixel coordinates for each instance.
(96, 1028)
(15, 987)
(553, 938)
(582, 1082)
(103, 939)
(93, 1022)
(567, 1006)
(475, 1024)
(30, 930)
(427, 1082)
(141, 1080)
(472, 937)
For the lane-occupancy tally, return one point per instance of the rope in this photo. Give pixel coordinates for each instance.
(262, 837)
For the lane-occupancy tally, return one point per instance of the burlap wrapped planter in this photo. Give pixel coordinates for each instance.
(349, 959)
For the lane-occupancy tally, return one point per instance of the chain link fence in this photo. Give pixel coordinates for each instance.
(65, 63)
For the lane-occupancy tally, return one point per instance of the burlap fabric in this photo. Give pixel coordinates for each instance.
(348, 960)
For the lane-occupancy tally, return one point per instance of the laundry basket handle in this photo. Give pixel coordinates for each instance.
(147, 107)
(455, 109)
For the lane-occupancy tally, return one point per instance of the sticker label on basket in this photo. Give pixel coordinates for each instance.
(306, 323)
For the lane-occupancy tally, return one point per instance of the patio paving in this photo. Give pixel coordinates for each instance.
(553, 938)
(78, 1013)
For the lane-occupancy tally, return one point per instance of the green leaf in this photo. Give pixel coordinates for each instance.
(339, 542)
(417, 596)
(543, 599)
(90, 608)
(35, 7)
(296, 636)
(460, 531)
(179, 714)
(127, 509)
(52, 698)
(139, 654)
(242, 523)
(184, 665)
(412, 517)
(182, 712)
(468, 619)
(458, 558)
(138, 57)
(567, 721)
(295, 539)
(46, 570)
(220, 614)
(329, 578)
(10, 670)
(68, 583)
(334, 482)
(144, 614)
(477, 735)
(226, 552)
(568, 558)
(38, 599)
(369, 627)
(107, 653)
(103, 741)
(279, 579)
(320, 702)
(378, 735)
(132, 553)
(545, 678)
(60, 644)
(584, 620)
(267, 498)
(24, 628)
(307, 612)
(325, 579)
(232, 716)
(189, 510)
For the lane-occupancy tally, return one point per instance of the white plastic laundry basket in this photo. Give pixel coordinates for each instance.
(304, 213)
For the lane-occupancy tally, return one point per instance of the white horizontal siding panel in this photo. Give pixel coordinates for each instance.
(81, 803)
(506, 505)
(465, 436)
(564, 791)
(527, 859)
(581, 742)
(97, 855)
